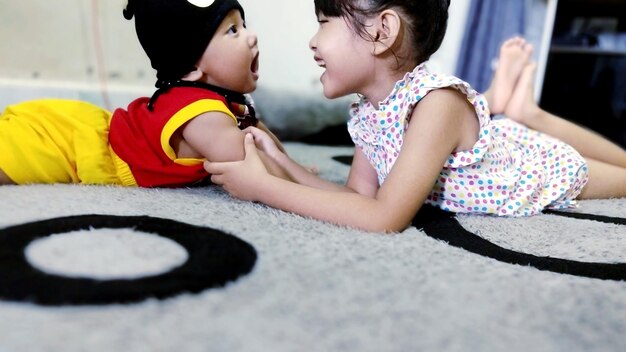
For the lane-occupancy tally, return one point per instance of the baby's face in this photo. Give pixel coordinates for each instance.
(231, 60)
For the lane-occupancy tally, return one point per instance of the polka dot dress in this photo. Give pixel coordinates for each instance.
(511, 170)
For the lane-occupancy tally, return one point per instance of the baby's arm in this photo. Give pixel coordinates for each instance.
(216, 137)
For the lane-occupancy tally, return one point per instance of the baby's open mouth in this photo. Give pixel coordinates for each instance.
(255, 64)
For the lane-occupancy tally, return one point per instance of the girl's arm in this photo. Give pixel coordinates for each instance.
(296, 172)
(434, 132)
(363, 177)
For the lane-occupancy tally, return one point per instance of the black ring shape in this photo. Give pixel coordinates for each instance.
(442, 225)
(344, 159)
(214, 258)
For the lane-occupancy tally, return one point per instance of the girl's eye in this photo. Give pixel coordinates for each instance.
(321, 18)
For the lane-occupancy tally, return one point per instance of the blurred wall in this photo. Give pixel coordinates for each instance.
(85, 49)
(285, 27)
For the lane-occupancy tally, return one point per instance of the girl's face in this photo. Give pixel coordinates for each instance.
(345, 56)
(231, 60)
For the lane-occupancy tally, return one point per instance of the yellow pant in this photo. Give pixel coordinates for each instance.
(59, 141)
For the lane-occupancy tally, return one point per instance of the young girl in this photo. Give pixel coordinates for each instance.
(205, 60)
(428, 138)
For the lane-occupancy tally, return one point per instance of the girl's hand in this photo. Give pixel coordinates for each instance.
(265, 142)
(261, 126)
(240, 178)
(268, 143)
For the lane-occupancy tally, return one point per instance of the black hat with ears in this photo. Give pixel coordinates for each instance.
(175, 33)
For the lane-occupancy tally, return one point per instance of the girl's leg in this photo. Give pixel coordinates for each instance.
(605, 181)
(523, 109)
(4, 179)
(514, 56)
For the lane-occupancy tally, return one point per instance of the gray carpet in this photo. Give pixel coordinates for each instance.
(315, 286)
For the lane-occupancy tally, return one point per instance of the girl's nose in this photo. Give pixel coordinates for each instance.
(313, 42)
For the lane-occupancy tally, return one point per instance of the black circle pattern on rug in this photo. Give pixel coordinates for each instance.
(344, 159)
(214, 258)
(444, 226)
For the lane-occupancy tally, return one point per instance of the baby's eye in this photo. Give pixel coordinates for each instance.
(232, 30)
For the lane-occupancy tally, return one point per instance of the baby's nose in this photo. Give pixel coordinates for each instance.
(253, 40)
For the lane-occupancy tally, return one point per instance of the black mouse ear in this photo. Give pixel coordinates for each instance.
(129, 11)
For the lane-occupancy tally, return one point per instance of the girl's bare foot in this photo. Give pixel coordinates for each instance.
(522, 106)
(514, 56)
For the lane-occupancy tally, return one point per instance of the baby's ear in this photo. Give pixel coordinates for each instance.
(388, 25)
(194, 75)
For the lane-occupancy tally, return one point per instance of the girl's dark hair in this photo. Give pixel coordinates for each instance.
(426, 20)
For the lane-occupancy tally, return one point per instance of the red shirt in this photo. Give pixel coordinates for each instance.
(141, 137)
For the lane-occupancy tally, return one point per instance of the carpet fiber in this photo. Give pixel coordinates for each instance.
(553, 282)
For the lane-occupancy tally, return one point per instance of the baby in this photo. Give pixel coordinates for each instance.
(206, 60)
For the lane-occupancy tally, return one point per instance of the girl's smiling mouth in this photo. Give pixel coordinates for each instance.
(319, 61)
